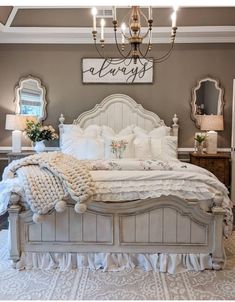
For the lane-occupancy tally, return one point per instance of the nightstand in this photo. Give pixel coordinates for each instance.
(12, 156)
(218, 164)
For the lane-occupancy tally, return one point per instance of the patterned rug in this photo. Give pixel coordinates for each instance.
(134, 284)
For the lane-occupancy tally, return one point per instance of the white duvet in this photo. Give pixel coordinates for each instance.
(127, 179)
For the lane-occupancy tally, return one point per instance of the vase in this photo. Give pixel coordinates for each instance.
(199, 148)
(39, 146)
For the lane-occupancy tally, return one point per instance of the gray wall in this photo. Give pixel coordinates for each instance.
(58, 66)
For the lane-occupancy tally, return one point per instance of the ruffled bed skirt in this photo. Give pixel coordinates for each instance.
(170, 263)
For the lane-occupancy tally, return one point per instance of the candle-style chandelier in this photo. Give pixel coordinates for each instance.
(133, 35)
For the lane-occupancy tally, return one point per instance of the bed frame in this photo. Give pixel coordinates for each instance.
(167, 224)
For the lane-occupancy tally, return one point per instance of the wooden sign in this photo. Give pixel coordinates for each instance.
(110, 71)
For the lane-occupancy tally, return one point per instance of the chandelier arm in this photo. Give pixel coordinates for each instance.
(162, 58)
(110, 60)
(146, 19)
(118, 48)
(166, 55)
(146, 51)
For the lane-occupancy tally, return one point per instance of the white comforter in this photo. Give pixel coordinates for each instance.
(121, 180)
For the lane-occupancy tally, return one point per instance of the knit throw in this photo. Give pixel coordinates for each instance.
(51, 178)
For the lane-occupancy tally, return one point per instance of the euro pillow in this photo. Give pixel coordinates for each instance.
(83, 147)
(90, 131)
(164, 148)
(142, 147)
(108, 131)
(158, 132)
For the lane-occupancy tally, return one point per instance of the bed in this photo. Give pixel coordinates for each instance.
(166, 233)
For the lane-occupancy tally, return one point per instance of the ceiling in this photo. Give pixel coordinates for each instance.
(74, 25)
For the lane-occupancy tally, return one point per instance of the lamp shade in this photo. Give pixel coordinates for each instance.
(17, 122)
(212, 122)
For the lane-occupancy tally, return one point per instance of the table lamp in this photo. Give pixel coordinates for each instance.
(212, 123)
(17, 123)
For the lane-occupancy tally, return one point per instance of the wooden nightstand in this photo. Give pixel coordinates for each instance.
(12, 156)
(218, 164)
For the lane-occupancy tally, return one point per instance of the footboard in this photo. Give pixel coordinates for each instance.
(160, 225)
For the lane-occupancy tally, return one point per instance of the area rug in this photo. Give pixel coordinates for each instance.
(135, 284)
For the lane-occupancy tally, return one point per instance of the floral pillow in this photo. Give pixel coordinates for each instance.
(119, 145)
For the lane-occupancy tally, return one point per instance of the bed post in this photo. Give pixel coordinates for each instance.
(218, 255)
(14, 211)
(61, 120)
(175, 126)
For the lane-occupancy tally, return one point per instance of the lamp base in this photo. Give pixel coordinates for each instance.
(211, 140)
(16, 141)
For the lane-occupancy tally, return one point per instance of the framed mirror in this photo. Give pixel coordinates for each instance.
(30, 97)
(207, 98)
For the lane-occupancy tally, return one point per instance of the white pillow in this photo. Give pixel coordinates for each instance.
(92, 131)
(156, 132)
(164, 148)
(82, 147)
(156, 148)
(140, 131)
(108, 131)
(69, 128)
(160, 132)
(142, 147)
(127, 131)
(129, 151)
(169, 148)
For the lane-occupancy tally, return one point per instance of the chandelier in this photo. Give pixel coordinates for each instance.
(133, 35)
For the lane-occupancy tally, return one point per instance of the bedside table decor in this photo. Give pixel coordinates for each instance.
(212, 123)
(199, 142)
(17, 124)
(38, 134)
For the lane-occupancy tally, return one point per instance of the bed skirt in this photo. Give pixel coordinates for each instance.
(167, 263)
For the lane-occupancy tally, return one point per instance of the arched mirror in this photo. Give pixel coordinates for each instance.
(30, 97)
(207, 98)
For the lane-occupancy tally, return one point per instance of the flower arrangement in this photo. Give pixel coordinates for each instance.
(36, 132)
(118, 147)
(200, 138)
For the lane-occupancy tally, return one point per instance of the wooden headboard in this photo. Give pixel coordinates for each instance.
(119, 111)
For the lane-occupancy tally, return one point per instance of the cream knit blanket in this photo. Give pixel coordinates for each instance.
(49, 179)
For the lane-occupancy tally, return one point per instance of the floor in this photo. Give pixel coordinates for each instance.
(84, 284)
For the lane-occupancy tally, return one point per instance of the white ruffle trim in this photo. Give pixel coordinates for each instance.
(167, 263)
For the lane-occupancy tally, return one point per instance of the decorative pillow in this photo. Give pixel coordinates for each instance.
(108, 131)
(156, 148)
(139, 131)
(82, 147)
(156, 132)
(127, 153)
(169, 148)
(164, 148)
(92, 131)
(142, 147)
(160, 132)
(127, 131)
(70, 128)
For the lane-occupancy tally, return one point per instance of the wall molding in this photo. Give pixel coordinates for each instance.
(82, 35)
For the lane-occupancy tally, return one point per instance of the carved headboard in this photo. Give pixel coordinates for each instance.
(119, 111)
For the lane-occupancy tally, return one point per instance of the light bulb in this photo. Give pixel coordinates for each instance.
(102, 22)
(123, 27)
(94, 11)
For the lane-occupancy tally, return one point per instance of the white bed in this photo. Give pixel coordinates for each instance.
(165, 233)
